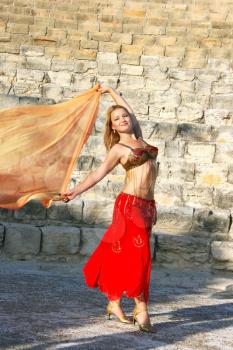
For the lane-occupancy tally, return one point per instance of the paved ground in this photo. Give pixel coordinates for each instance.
(48, 306)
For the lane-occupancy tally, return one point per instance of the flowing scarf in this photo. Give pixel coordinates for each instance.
(39, 147)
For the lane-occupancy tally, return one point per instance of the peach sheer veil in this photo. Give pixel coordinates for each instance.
(39, 147)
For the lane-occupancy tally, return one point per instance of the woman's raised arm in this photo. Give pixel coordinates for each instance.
(111, 160)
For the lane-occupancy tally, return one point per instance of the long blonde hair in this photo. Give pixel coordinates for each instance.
(111, 137)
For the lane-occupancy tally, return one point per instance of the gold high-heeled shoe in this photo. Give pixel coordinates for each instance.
(146, 327)
(109, 312)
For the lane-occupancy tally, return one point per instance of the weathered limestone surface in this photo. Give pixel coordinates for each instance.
(172, 61)
(60, 240)
(21, 239)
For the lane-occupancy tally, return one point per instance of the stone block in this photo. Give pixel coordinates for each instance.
(60, 240)
(107, 57)
(128, 59)
(222, 251)
(5, 85)
(144, 40)
(182, 74)
(191, 115)
(21, 240)
(153, 51)
(34, 51)
(194, 132)
(163, 114)
(2, 232)
(52, 91)
(33, 210)
(224, 153)
(182, 250)
(210, 223)
(168, 194)
(82, 66)
(110, 27)
(33, 75)
(131, 69)
(90, 238)
(11, 48)
(200, 151)
(197, 196)
(148, 127)
(131, 82)
(109, 81)
(150, 61)
(101, 36)
(123, 38)
(89, 44)
(59, 78)
(17, 28)
(170, 98)
(217, 117)
(174, 51)
(5, 37)
(29, 88)
(207, 75)
(195, 100)
(40, 63)
(222, 101)
(81, 82)
(154, 30)
(223, 134)
(193, 62)
(179, 171)
(85, 54)
(131, 49)
(222, 88)
(66, 212)
(8, 69)
(7, 101)
(109, 47)
(137, 99)
(174, 148)
(164, 130)
(213, 174)
(174, 219)
(155, 73)
(218, 65)
(108, 69)
(183, 86)
(223, 197)
(230, 174)
(62, 65)
(157, 85)
(131, 28)
(96, 212)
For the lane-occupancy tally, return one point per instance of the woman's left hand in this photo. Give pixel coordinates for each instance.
(104, 89)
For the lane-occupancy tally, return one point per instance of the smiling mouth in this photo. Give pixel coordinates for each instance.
(125, 124)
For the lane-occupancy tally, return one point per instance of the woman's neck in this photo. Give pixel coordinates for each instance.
(127, 138)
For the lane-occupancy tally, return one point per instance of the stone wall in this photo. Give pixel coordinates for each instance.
(172, 60)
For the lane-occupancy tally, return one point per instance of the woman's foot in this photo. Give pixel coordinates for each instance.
(114, 308)
(141, 316)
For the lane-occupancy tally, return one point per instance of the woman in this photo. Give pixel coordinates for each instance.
(121, 263)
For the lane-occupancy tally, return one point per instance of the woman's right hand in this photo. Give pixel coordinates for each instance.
(69, 195)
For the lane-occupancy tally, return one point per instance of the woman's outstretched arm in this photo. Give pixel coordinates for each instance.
(121, 101)
(111, 160)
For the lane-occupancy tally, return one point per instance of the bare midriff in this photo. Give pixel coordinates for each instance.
(140, 180)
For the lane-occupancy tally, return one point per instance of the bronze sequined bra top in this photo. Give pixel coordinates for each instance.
(139, 155)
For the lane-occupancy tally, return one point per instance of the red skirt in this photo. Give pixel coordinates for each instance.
(121, 263)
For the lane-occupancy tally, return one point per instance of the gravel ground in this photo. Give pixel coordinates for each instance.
(47, 306)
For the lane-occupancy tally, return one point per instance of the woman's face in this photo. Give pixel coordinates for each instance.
(121, 120)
